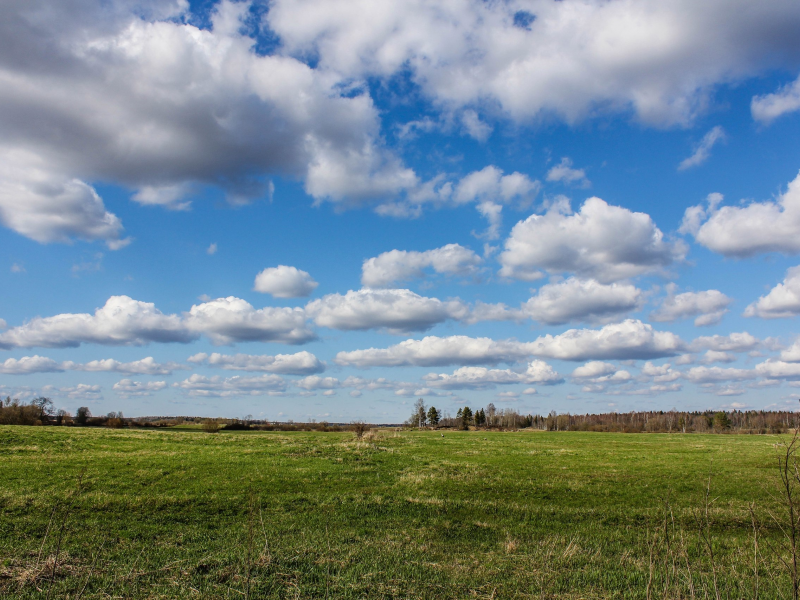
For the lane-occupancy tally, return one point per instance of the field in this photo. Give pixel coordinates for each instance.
(97, 513)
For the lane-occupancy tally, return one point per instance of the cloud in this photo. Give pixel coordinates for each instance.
(564, 172)
(300, 363)
(660, 374)
(395, 310)
(594, 369)
(217, 387)
(717, 374)
(127, 387)
(212, 249)
(630, 339)
(481, 378)
(782, 301)
(662, 67)
(433, 351)
(145, 366)
(285, 282)
(792, 353)
(31, 364)
(474, 127)
(754, 228)
(229, 320)
(778, 369)
(708, 307)
(401, 265)
(123, 321)
(587, 243)
(315, 382)
(703, 150)
(712, 356)
(769, 107)
(733, 342)
(81, 391)
(95, 100)
(17, 268)
(582, 300)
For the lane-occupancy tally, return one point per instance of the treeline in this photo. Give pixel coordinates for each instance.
(751, 421)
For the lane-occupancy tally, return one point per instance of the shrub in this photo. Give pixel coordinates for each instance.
(359, 428)
(211, 426)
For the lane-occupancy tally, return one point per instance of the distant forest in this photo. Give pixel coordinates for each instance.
(41, 411)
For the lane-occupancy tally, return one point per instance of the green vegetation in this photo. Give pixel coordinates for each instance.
(90, 513)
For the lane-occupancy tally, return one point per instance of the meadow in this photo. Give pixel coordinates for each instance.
(99, 513)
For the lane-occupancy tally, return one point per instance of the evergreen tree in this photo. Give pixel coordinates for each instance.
(433, 416)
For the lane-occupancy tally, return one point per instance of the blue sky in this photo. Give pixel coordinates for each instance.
(329, 209)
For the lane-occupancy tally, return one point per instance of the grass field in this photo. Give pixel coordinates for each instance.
(182, 513)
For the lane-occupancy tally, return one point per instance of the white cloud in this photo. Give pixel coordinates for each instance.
(30, 364)
(433, 351)
(782, 301)
(300, 363)
(285, 282)
(754, 228)
(200, 385)
(630, 339)
(660, 374)
(474, 127)
(212, 249)
(124, 321)
(778, 369)
(229, 320)
(145, 366)
(703, 150)
(587, 243)
(593, 369)
(792, 353)
(582, 300)
(480, 377)
(708, 307)
(121, 321)
(717, 374)
(769, 107)
(82, 391)
(127, 387)
(315, 382)
(734, 342)
(662, 65)
(564, 172)
(712, 356)
(395, 310)
(95, 100)
(17, 268)
(401, 265)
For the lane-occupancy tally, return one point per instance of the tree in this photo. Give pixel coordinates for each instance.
(433, 416)
(44, 405)
(420, 418)
(721, 421)
(83, 415)
(491, 411)
(480, 418)
(466, 417)
(209, 425)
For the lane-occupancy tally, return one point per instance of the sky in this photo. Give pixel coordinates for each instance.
(326, 209)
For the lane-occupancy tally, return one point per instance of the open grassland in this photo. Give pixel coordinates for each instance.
(91, 513)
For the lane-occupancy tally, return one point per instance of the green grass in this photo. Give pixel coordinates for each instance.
(182, 513)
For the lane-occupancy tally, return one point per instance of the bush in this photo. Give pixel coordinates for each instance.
(211, 426)
(359, 428)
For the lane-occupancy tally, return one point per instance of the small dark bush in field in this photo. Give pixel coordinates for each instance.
(83, 415)
(211, 426)
(359, 428)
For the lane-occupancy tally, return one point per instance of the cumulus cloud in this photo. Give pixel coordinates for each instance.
(433, 351)
(81, 391)
(708, 307)
(564, 173)
(285, 282)
(792, 353)
(395, 310)
(712, 356)
(754, 228)
(588, 243)
(782, 301)
(734, 342)
(779, 369)
(145, 366)
(400, 265)
(481, 378)
(95, 100)
(769, 107)
(31, 364)
(717, 374)
(125, 321)
(630, 339)
(474, 127)
(217, 387)
(315, 382)
(593, 369)
(127, 387)
(661, 373)
(300, 363)
(582, 300)
(703, 150)
(662, 65)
